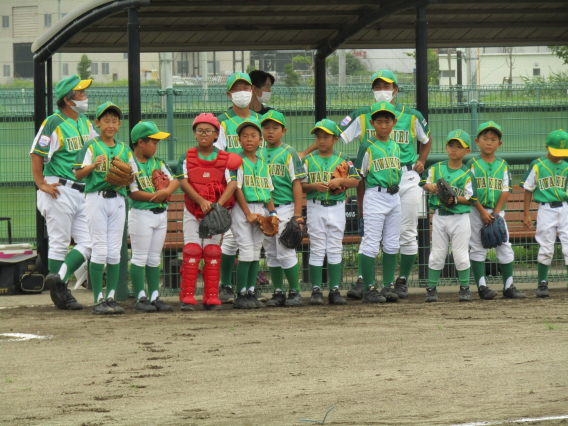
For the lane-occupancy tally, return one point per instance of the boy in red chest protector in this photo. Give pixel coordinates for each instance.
(205, 178)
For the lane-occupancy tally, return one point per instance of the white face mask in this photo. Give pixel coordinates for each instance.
(80, 106)
(383, 95)
(265, 97)
(241, 99)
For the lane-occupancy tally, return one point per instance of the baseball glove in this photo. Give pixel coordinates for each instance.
(293, 233)
(269, 225)
(161, 181)
(119, 173)
(341, 171)
(217, 221)
(495, 233)
(445, 192)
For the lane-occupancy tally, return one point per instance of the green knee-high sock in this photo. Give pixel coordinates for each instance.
(368, 269)
(153, 278)
(406, 265)
(506, 273)
(360, 263)
(54, 265)
(464, 277)
(433, 277)
(242, 275)
(542, 272)
(73, 261)
(137, 277)
(315, 275)
(96, 271)
(277, 277)
(478, 269)
(253, 273)
(389, 266)
(334, 273)
(227, 266)
(112, 279)
(293, 277)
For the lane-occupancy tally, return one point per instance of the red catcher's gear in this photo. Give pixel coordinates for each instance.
(211, 273)
(202, 173)
(206, 117)
(189, 269)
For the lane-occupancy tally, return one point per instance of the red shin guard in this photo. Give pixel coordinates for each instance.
(211, 273)
(189, 270)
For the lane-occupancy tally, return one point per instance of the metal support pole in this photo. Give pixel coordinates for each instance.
(319, 83)
(421, 33)
(49, 87)
(474, 122)
(460, 77)
(170, 121)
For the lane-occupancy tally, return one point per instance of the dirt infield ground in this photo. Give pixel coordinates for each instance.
(404, 364)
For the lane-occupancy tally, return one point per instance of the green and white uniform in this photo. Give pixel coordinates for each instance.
(228, 139)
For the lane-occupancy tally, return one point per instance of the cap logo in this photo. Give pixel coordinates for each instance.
(563, 143)
(491, 123)
(237, 75)
(458, 133)
(379, 73)
(269, 114)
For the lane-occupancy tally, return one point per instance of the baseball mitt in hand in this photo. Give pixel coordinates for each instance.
(119, 173)
(161, 181)
(446, 193)
(269, 225)
(495, 233)
(341, 171)
(293, 233)
(217, 221)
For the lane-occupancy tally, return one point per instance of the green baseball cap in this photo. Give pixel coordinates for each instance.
(383, 106)
(147, 129)
(236, 77)
(249, 122)
(274, 115)
(557, 143)
(490, 125)
(327, 126)
(108, 105)
(73, 82)
(386, 75)
(461, 136)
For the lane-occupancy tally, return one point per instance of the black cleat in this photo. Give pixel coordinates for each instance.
(400, 288)
(465, 294)
(255, 303)
(57, 290)
(144, 305)
(242, 301)
(72, 304)
(485, 293)
(335, 298)
(542, 290)
(115, 306)
(278, 299)
(389, 294)
(259, 296)
(317, 297)
(226, 294)
(187, 307)
(294, 298)
(161, 306)
(513, 293)
(431, 294)
(102, 308)
(372, 295)
(356, 292)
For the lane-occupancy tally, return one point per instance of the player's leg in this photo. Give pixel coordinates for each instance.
(192, 253)
(437, 259)
(153, 264)
(228, 258)
(245, 246)
(257, 239)
(506, 257)
(334, 249)
(563, 233)
(288, 260)
(116, 220)
(459, 230)
(356, 292)
(477, 255)
(211, 272)
(140, 228)
(391, 241)
(317, 220)
(276, 272)
(547, 221)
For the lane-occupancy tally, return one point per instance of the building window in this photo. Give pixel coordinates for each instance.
(183, 68)
(65, 69)
(536, 72)
(94, 68)
(105, 67)
(6, 70)
(125, 56)
(446, 73)
(47, 20)
(5, 22)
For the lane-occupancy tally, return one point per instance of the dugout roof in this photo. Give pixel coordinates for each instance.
(205, 25)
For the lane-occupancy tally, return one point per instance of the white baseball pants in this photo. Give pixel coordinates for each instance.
(450, 229)
(278, 255)
(326, 226)
(550, 221)
(477, 253)
(250, 237)
(65, 218)
(410, 199)
(191, 232)
(147, 235)
(106, 218)
(381, 213)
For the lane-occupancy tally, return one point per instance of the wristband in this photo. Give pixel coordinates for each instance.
(272, 213)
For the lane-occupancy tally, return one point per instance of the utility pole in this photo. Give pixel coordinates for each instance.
(341, 56)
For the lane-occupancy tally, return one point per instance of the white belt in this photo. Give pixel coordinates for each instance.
(319, 202)
(407, 168)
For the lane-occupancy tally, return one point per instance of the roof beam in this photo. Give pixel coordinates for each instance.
(477, 2)
(258, 3)
(473, 25)
(535, 11)
(217, 28)
(224, 14)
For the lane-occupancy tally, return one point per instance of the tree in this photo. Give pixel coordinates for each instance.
(352, 65)
(433, 65)
(308, 60)
(561, 52)
(250, 68)
(292, 78)
(84, 68)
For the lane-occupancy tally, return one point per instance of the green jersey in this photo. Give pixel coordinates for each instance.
(491, 179)
(254, 180)
(228, 139)
(410, 126)
(58, 141)
(320, 169)
(461, 180)
(379, 163)
(285, 167)
(145, 183)
(547, 180)
(95, 181)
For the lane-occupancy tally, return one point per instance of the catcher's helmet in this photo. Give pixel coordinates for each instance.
(206, 117)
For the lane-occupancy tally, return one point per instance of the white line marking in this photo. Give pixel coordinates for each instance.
(21, 337)
(526, 420)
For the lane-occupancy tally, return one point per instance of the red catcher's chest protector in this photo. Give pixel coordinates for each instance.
(208, 180)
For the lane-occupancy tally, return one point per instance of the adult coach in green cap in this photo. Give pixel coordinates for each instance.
(60, 196)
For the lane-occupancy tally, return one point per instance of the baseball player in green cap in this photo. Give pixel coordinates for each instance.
(60, 198)
(547, 179)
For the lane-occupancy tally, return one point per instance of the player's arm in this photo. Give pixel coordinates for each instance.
(485, 216)
(194, 196)
(227, 193)
(298, 194)
(270, 205)
(426, 182)
(422, 131)
(240, 199)
(303, 154)
(423, 155)
(84, 164)
(37, 172)
(85, 171)
(162, 194)
(469, 191)
(501, 202)
(527, 219)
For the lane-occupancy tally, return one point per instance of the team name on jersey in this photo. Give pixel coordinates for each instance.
(386, 163)
(75, 143)
(103, 167)
(494, 183)
(552, 181)
(399, 136)
(258, 181)
(277, 170)
(145, 182)
(317, 176)
(459, 192)
(233, 142)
